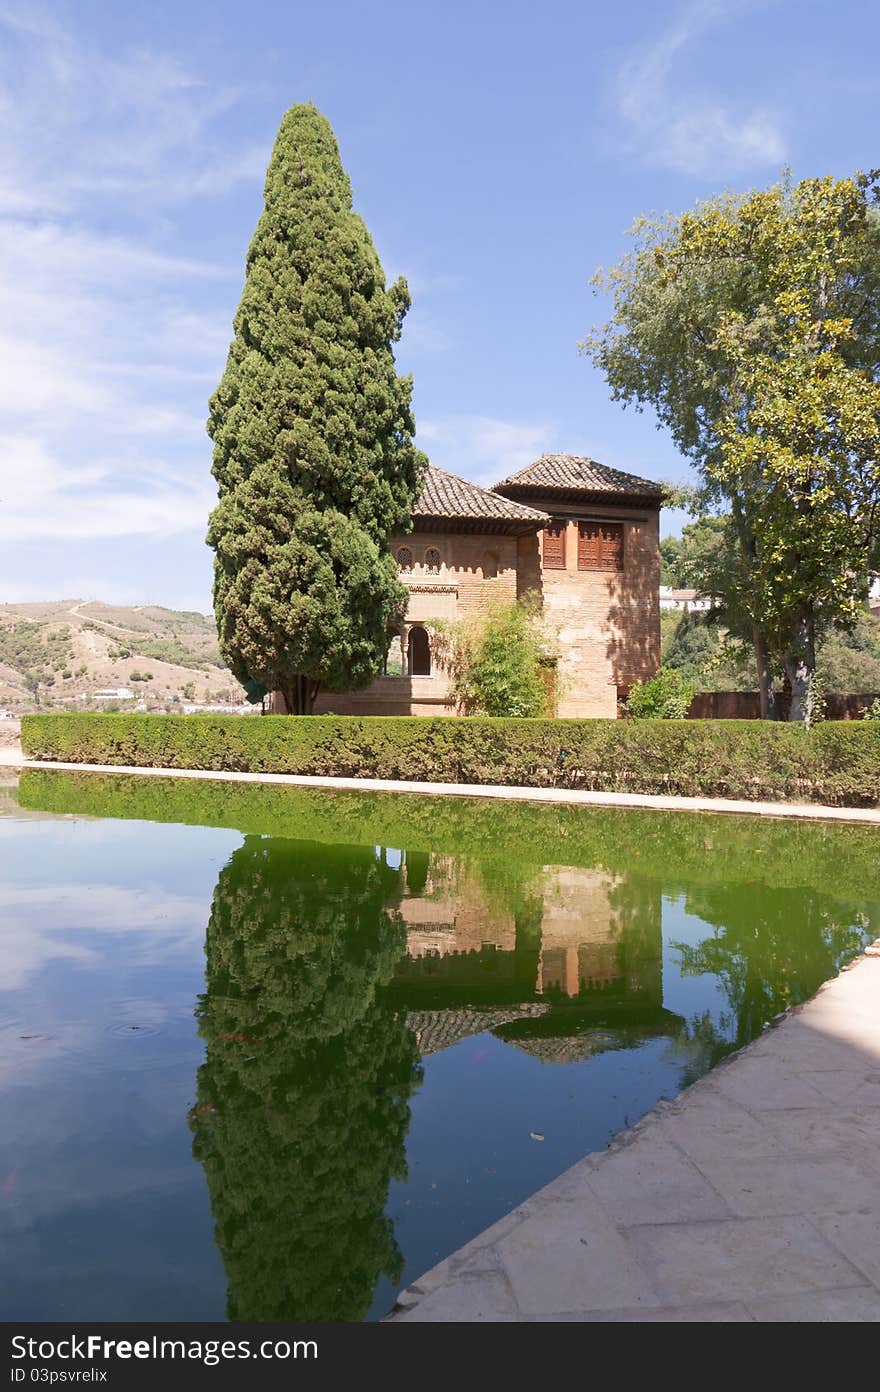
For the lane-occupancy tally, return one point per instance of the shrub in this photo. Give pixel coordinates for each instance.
(872, 712)
(835, 762)
(497, 663)
(667, 696)
(33, 648)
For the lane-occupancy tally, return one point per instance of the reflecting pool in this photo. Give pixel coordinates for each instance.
(269, 1054)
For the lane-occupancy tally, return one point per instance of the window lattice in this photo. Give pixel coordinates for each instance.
(600, 546)
(554, 546)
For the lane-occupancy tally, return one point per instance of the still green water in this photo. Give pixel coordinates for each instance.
(270, 1054)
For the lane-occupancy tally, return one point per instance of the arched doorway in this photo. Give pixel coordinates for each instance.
(418, 652)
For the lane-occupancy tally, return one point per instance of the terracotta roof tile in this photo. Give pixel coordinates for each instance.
(576, 473)
(445, 495)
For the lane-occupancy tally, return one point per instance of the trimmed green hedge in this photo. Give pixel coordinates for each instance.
(834, 762)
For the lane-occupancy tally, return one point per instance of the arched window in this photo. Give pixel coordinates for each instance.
(405, 560)
(418, 653)
(432, 560)
(490, 565)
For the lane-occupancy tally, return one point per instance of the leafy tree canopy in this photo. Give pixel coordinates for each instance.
(751, 326)
(712, 648)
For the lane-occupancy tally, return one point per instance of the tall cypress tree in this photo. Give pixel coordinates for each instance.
(312, 432)
(302, 1102)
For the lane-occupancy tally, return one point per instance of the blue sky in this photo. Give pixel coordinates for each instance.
(498, 151)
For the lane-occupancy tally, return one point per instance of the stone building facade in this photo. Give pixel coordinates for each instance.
(582, 536)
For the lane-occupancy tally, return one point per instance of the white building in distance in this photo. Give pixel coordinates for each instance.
(687, 601)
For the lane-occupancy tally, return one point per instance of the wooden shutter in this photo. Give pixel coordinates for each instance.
(600, 546)
(589, 551)
(612, 545)
(554, 546)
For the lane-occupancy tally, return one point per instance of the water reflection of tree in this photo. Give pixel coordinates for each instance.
(301, 1110)
(772, 948)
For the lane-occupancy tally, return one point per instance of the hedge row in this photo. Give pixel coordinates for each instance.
(837, 763)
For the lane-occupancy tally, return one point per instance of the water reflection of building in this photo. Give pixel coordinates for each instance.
(559, 960)
(580, 932)
(450, 912)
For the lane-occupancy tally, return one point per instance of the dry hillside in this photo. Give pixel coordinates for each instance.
(64, 652)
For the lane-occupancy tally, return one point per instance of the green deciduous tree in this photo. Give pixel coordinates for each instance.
(851, 661)
(312, 431)
(712, 648)
(752, 326)
(716, 648)
(689, 645)
(688, 560)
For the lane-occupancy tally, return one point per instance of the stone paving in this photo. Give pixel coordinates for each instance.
(755, 1195)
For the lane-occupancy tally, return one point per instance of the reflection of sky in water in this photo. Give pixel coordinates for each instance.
(104, 1214)
(687, 995)
(103, 1210)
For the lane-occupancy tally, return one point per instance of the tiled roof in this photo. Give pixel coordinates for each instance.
(446, 496)
(572, 1049)
(576, 473)
(440, 1029)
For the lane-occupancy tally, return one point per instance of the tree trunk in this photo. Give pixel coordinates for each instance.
(769, 710)
(800, 667)
(748, 549)
(299, 695)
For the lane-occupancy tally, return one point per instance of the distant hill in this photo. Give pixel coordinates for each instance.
(64, 652)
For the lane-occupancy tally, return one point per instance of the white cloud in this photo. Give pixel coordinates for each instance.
(109, 339)
(43, 498)
(484, 448)
(78, 122)
(42, 923)
(674, 123)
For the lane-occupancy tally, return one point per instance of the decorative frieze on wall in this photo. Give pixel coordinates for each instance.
(429, 587)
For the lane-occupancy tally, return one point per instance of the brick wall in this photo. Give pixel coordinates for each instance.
(746, 705)
(606, 623)
(463, 586)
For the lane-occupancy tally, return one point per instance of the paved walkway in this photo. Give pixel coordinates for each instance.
(571, 797)
(754, 1196)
